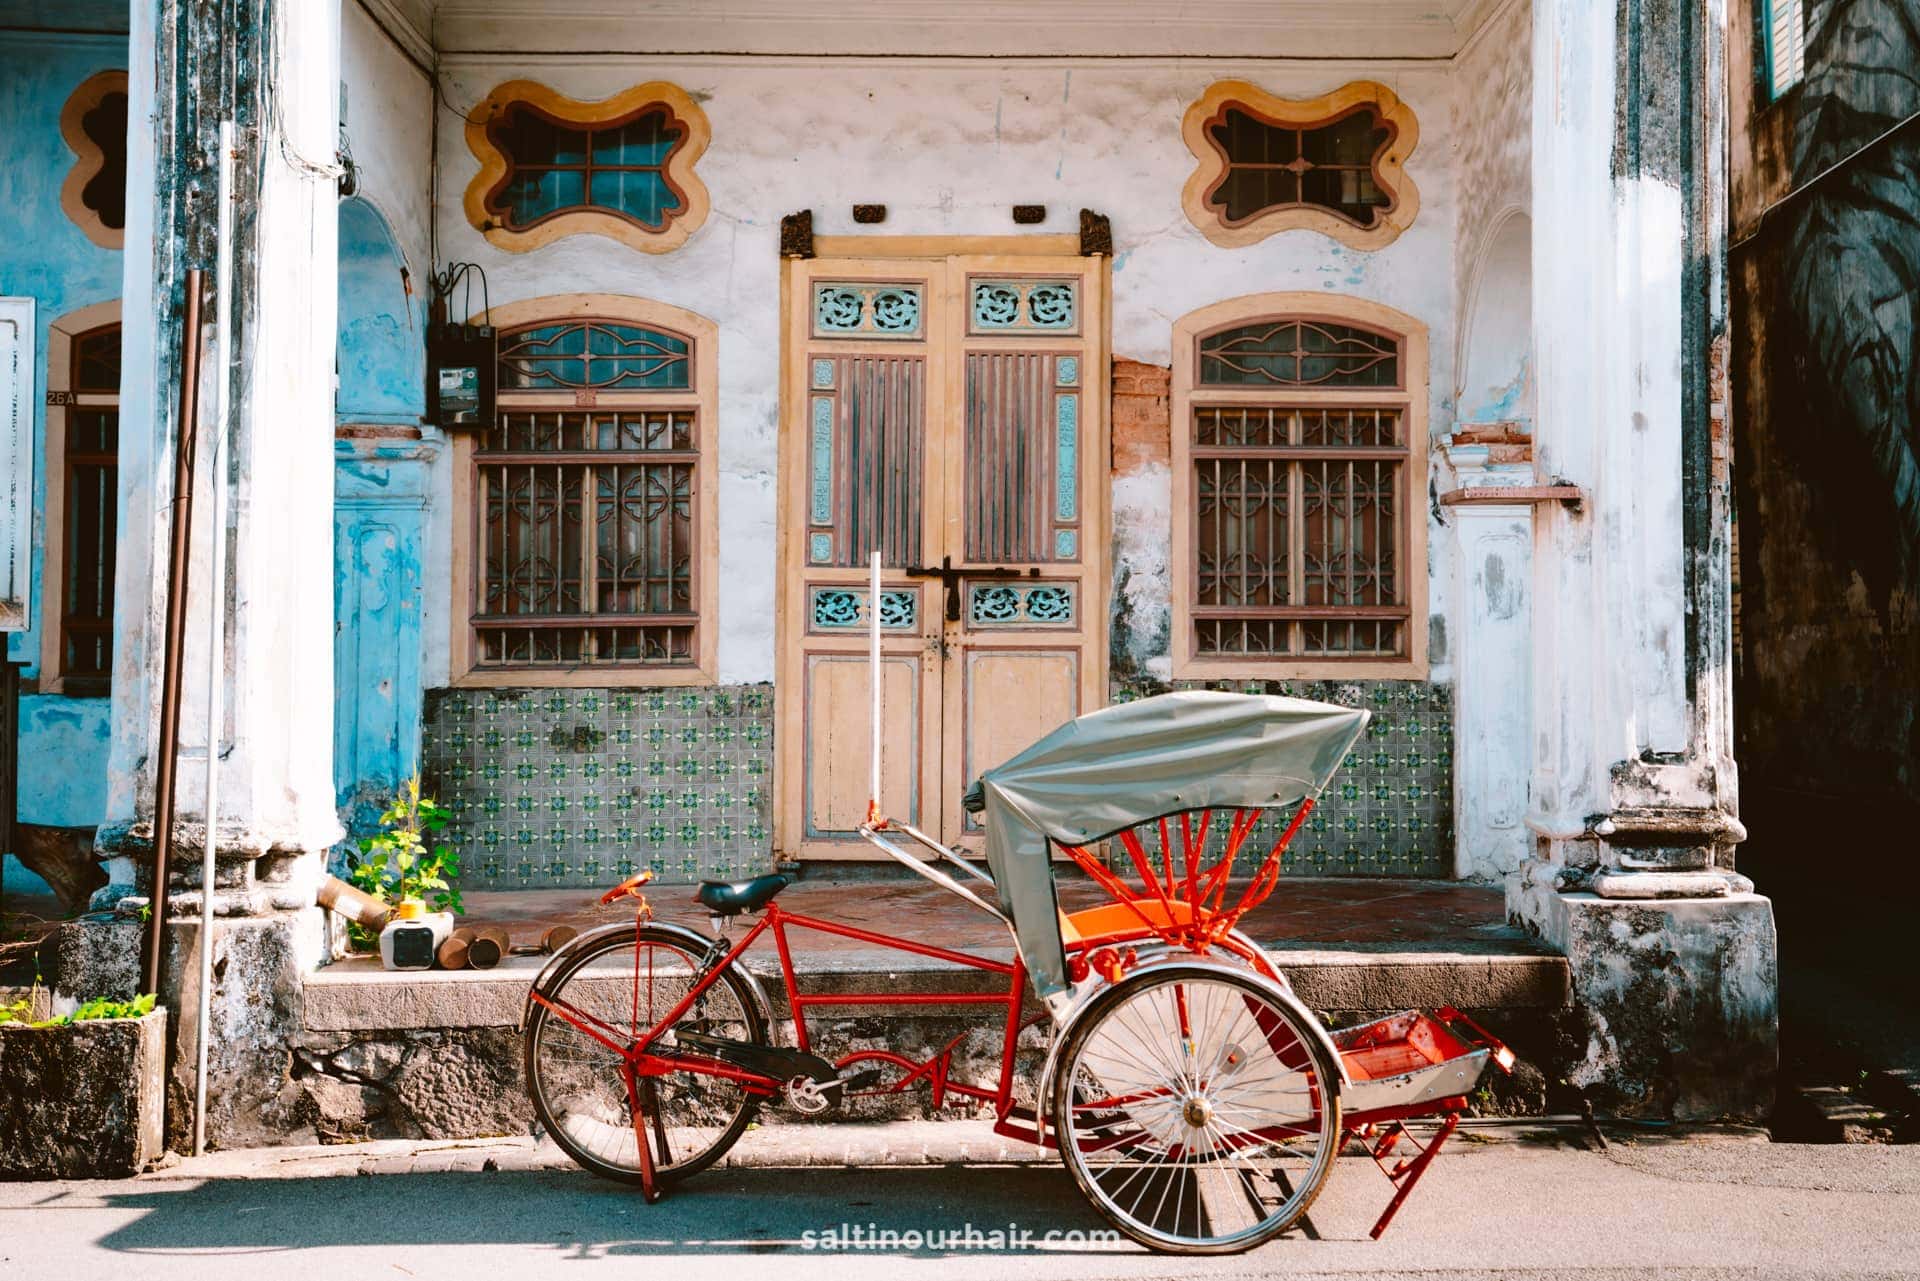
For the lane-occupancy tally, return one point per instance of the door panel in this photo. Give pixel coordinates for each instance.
(839, 741)
(939, 409)
(1009, 698)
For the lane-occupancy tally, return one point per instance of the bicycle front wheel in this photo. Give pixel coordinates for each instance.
(1196, 1110)
(614, 990)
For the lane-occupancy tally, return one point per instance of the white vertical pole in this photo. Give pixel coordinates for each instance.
(216, 612)
(874, 812)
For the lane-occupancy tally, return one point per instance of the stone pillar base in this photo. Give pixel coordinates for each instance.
(1677, 997)
(260, 964)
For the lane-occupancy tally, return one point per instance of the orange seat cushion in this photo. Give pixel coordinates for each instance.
(1117, 920)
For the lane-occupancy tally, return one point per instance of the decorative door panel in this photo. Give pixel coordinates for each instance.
(935, 408)
(868, 445)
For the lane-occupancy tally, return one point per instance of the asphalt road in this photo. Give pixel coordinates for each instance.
(1515, 1210)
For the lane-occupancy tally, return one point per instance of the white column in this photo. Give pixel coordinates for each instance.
(1633, 808)
(1493, 653)
(275, 748)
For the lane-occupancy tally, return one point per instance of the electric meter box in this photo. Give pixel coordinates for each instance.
(461, 376)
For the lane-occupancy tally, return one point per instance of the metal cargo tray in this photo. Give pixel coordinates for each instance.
(1410, 1059)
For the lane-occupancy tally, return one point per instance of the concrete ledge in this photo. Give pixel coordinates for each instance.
(1354, 982)
(359, 996)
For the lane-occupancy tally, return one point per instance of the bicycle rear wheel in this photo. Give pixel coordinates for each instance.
(626, 982)
(1195, 1109)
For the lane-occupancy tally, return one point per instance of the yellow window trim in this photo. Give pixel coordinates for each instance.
(679, 169)
(90, 159)
(1211, 164)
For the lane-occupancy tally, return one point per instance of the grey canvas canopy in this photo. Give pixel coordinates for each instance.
(1131, 763)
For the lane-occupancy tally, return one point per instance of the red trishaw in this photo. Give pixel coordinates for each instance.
(1198, 1104)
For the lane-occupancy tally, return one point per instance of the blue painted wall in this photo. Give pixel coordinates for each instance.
(381, 494)
(63, 741)
(382, 352)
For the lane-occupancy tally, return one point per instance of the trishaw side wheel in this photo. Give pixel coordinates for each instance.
(1196, 1110)
(625, 983)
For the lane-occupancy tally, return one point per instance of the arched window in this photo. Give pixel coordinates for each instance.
(1299, 448)
(588, 506)
(83, 490)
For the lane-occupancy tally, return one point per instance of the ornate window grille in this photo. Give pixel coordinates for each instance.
(90, 477)
(553, 166)
(586, 512)
(1300, 457)
(1333, 164)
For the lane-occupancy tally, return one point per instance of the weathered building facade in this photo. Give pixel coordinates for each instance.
(1364, 355)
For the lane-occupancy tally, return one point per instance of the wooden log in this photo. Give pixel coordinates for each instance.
(488, 945)
(453, 953)
(557, 937)
(356, 905)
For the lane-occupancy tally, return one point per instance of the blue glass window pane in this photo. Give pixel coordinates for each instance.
(644, 141)
(641, 194)
(532, 139)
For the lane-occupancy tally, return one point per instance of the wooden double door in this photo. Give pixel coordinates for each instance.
(949, 409)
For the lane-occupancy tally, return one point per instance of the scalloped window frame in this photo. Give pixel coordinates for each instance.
(89, 159)
(586, 219)
(1212, 162)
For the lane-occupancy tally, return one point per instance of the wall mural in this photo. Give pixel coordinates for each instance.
(1855, 247)
(1827, 419)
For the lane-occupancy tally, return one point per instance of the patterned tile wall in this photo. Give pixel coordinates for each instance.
(582, 787)
(1389, 812)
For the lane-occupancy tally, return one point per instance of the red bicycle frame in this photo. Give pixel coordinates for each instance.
(640, 1063)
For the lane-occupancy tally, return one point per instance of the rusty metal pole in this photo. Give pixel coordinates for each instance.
(168, 748)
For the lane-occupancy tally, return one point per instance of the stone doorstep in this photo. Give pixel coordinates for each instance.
(358, 996)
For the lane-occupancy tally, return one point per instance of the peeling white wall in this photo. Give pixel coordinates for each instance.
(948, 147)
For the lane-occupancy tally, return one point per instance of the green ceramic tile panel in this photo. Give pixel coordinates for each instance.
(1389, 812)
(581, 788)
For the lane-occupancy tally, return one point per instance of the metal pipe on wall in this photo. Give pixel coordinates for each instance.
(168, 748)
(216, 612)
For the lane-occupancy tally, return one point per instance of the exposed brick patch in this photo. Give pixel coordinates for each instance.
(1492, 434)
(1142, 423)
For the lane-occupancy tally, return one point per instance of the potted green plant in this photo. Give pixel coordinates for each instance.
(405, 866)
(81, 1093)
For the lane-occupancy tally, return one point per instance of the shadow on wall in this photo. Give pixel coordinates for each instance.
(1496, 342)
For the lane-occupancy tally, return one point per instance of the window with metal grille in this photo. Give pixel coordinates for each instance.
(1299, 455)
(585, 502)
(1783, 27)
(1272, 164)
(90, 480)
(554, 166)
(1335, 164)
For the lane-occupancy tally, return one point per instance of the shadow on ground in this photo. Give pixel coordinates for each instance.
(755, 1211)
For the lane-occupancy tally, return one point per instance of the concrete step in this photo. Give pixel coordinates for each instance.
(358, 996)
